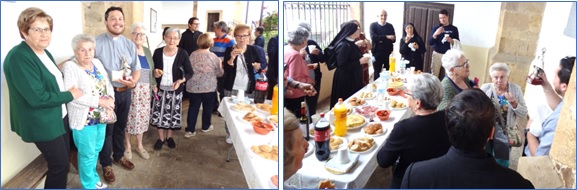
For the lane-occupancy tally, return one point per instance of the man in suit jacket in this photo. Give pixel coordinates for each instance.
(470, 119)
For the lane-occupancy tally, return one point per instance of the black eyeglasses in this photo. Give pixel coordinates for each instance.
(466, 64)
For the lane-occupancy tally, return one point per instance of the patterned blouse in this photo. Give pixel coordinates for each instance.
(100, 90)
(206, 67)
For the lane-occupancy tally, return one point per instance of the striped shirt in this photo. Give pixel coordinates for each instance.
(220, 45)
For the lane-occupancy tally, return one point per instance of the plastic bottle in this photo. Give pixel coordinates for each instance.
(392, 61)
(340, 111)
(260, 88)
(274, 99)
(322, 138)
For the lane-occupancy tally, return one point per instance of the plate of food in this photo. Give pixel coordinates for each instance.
(248, 118)
(235, 100)
(396, 105)
(374, 129)
(337, 142)
(367, 95)
(396, 84)
(326, 184)
(355, 121)
(266, 151)
(272, 119)
(361, 145)
(366, 111)
(242, 107)
(355, 101)
(263, 107)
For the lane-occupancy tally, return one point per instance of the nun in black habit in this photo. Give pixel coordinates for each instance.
(348, 77)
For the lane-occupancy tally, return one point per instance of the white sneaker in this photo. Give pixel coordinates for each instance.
(188, 134)
(228, 139)
(208, 130)
(101, 185)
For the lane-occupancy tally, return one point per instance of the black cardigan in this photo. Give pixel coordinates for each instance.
(181, 61)
(250, 56)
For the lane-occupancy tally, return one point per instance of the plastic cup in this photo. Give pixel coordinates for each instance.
(312, 47)
(343, 156)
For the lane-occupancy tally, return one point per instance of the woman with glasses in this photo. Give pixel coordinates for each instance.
(240, 62)
(457, 68)
(139, 113)
(510, 105)
(421, 137)
(171, 69)
(348, 77)
(38, 96)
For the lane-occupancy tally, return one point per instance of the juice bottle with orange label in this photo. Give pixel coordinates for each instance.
(274, 99)
(392, 62)
(340, 111)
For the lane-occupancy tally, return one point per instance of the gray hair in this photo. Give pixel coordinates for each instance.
(138, 25)
(305, 25)
(451, 59)
(171, 30)
(299, 36)
(80, 38)
(427, 88)
(222, 26)
(499, 67)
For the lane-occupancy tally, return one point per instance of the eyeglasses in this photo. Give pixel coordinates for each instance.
(409, 94)
(42, 30)
(173, 38)
(241, 36)
(465, 65)
(195, 23)
(138, 34)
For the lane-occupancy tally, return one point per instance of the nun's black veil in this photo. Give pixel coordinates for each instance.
(414, 30)
(348, 29)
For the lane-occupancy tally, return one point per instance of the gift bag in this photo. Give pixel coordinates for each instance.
(107, 116)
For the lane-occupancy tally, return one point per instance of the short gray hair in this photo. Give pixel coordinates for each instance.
(451, 59)
(222, 26)
(499, 67)
(138, 25)
(427, 88)
(171, 30)
(80, 38)
(305, 25)
(298, 36)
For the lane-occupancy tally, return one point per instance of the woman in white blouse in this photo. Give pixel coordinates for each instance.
(88, 75)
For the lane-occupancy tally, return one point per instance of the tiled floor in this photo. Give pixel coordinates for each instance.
(198, 162)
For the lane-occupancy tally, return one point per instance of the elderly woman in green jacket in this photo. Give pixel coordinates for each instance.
(37, 95)
(139, 113)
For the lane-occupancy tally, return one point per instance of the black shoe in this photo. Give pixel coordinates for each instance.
(158, 144)
(170, 143)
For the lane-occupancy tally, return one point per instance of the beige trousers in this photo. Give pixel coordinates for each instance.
(436, 65)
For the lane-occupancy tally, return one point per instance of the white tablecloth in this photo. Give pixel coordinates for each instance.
(314, 171)
(257, 170)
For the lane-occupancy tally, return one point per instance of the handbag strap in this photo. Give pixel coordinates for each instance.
(501, 121)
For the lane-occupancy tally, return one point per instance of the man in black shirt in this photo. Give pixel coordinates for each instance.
(383, 37)
(441, 40)
(190, 36)
(259, 41)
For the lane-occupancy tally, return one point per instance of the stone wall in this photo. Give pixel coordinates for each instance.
(517, 37)
(93, 15)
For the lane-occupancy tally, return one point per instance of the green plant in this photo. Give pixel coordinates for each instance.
(270, 24)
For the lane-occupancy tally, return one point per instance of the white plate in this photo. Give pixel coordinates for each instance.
(379, 134)
(243, 111)
(311, 149)
(369, 98)
(345, 142)
(395, 109)
(360, 152)
(268, 119)
(263, 111)
(240, 118)
(234, 100)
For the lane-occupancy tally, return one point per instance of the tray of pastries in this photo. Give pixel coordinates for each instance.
(361, 145)
(242, 107)
(266, 151)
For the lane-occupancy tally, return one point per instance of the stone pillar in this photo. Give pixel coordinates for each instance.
(93, 13)
(563, 148)
(517, 37)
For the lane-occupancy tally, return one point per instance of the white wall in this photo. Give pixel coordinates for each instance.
(558, 46)
(15, 153)
(154, 38)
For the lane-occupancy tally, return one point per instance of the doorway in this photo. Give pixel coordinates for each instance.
(424, 16)
(211, 18)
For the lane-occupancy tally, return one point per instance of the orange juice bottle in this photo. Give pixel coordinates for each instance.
(392, 62)
(274, 99)
(340, 118)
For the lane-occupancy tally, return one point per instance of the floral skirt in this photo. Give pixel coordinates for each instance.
(167, 111)
(139, 114)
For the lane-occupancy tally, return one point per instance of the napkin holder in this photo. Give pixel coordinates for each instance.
(335, 166)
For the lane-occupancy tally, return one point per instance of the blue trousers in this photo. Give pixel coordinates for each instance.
(89, 142)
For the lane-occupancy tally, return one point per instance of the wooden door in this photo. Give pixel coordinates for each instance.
(424, 16)
(211, 19)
